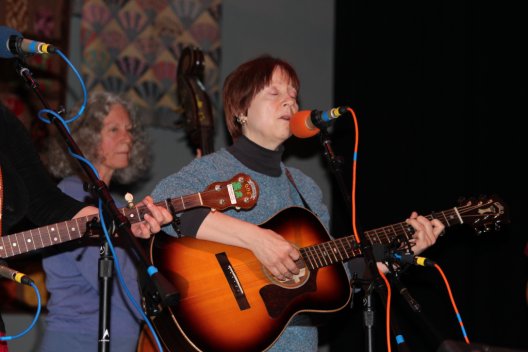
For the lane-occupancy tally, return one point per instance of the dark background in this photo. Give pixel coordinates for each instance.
(439, 90)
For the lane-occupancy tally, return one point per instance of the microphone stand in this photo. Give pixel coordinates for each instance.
(369, 318)
(335, 163)
(165, 290)
(365, 246)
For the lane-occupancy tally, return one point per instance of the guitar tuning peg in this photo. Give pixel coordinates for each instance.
(130, 200)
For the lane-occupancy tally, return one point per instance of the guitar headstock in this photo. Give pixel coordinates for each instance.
(240, 192)
(485, 214)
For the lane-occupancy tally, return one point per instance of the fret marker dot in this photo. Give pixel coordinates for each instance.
(14, 244)
(1, 247)
(55, 239)
(29, 240)
(73, 228)
(52, 229)
(131, 215)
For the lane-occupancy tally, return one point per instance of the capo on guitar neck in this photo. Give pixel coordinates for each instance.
(176, 222)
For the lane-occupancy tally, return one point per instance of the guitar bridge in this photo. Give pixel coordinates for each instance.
(233, 281)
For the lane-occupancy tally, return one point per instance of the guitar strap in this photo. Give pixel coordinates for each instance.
(290, 177)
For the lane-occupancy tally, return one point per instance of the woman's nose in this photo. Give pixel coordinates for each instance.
(288, 101)
(291, 103)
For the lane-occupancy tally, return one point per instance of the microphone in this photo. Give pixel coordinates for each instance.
(306, 123)
(11, 274)
(404, 292)
(12, 44)
(412, 259)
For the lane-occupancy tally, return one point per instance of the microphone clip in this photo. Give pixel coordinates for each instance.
(405, 258)
(321, 119)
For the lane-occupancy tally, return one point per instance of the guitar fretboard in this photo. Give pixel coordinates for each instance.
(50, 235)
(345, 248)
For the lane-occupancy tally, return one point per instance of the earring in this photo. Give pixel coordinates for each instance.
(242, 120)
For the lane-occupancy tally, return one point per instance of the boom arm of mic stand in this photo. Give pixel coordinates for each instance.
(168, 292)
(415, 308)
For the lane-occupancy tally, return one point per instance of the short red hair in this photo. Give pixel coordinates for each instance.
(246, 81)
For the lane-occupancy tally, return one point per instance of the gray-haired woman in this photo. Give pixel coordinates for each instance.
(109, 135)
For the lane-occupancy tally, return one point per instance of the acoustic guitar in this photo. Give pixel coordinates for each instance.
(230, 302)
(239, 192)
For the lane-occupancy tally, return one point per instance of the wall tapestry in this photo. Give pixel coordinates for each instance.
(132, 48)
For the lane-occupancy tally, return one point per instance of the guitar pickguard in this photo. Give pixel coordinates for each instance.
(277, 298)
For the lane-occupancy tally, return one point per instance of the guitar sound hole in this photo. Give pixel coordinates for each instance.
(295, 282)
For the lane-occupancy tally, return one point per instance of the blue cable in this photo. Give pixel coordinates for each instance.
(81, 109)
(120, 276)
(35, 318)
(57, 116)
(83, 86)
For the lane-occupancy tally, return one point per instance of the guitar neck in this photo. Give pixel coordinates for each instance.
(345, 248)
(42, 237)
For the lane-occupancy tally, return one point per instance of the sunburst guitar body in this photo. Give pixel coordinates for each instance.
(230, 302)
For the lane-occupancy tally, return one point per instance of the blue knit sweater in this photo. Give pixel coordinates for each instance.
(275, 193)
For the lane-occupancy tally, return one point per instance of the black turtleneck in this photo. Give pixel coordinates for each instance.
(257, 158)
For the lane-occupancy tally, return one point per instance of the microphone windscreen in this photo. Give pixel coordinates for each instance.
(5, 34)
(301, 126)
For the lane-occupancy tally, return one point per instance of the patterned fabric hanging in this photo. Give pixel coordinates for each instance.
(132, 48)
